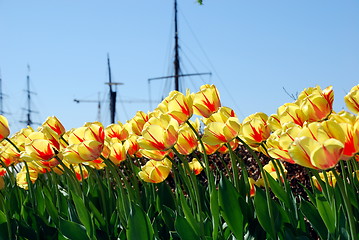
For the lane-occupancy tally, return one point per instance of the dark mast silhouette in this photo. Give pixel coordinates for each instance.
(28, 110)
(177, 67)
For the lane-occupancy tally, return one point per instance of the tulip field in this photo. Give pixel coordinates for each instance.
(190, 169)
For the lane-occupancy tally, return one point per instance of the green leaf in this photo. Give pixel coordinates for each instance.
(188, 214)
(184, 229)
(326, 212)
(228, 199)
(139, 225)
(215, 212)
(165, 197)
(312, 214)
(261, 209)
(3, 227)
(83, 214)
(72, 230)
(278, 190)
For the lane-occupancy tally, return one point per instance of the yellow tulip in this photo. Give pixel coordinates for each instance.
(308, 152)
(224, 149)
(118, 131)
(221, 115)
(117, 152)
(255, 129)
(38, 150)
(278, 142)
(210, 149)
(217, 133)
(291, 112)
(2, 171)
(331, 180)
(21, 180)
(80, 172)
(55, 124)
(206, 101)
(85, 151)
(179, 106)
(252, 188)
(187, 140)
(8, 154)
(195, 166)
(137, 122)
(316, 104)
(159, 133)
(4, 128)
(274, 122)
(352, 99)
(155, 171)
(131, 145)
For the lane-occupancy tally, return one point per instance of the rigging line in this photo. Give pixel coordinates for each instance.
(196, 71)
(194, 54)
(211, 65)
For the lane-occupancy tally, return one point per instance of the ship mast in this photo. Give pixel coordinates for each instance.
(28, 110)
(177, 67)
(112, 93)
(176, 60)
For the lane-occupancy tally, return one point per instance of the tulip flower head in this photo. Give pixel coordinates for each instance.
(316, 104)
(206, 101)
(179, 106)
(352, 99)
(255, 129)
(155, 171)
(118, 131)
(330, 178)
(195, 166)
(4, 128)
(2, 171)
(55, 125)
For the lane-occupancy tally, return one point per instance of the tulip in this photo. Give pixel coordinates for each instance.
(278, 142)
(179, 106)
(155, 171)
(21, 179)
(315, 103)
(195, 166)
(131, 145)
(274, 122)
(252, 189)
(206, 101)
(80, 172)
(38, 148)
(210, 149)
(331, 180)
(217, 133)
(55, 125)
(254, 129)
(221, 115)
(224, 149)
(4, 128)
(8, 154)
(187, 140)
(137, 122)
(352, 99)
(157, 155)
(291, 112)
(85, 151)
(117, 152)
(118, 131)
(159, 133)
(2, 171)
(308, 152)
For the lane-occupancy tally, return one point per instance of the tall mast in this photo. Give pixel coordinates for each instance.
(112, 93)
(28, 110)
(176, 60)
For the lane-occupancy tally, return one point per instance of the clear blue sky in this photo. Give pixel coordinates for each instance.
(254, 49)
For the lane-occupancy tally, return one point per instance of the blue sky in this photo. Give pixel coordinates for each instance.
(254, 49)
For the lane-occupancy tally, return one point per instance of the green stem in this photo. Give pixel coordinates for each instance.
(347, 205)
(235, 168)
(194, 184)
(205, 157)
(266, 186)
